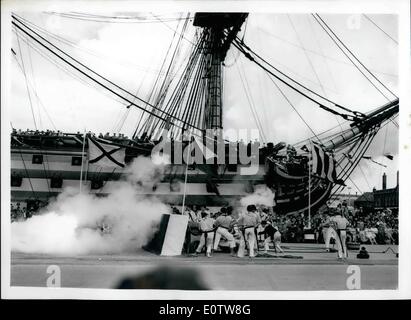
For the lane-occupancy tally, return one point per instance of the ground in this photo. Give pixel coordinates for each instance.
(305, 267)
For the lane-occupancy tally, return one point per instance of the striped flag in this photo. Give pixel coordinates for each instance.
(323, 164)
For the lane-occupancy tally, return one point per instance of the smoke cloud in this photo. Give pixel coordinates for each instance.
(72, 224)
(262, 195)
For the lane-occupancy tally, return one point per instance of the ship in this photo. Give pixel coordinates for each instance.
(44, 163)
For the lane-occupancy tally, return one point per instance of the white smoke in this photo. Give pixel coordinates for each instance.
(262, 195)
(71, 224)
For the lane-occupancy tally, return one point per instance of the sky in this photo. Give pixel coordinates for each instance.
(131, 54)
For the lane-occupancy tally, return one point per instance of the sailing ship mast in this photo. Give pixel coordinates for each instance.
(220, 29)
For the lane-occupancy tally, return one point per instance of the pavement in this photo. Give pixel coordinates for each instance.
(302, 267)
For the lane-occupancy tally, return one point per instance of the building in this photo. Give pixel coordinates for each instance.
(387, 198)
(380, 199)
(340, 197)
(365, 201)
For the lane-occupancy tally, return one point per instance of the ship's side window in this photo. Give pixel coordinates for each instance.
(56, 182)
(37, 159)
(16, 181)
(76, 161)
(96, 184)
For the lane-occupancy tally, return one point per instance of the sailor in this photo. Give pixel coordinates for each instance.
(192, 215)
(13, 213)
(197, 213)
(363, 254)
(340, 224)
(224, 224)
(345, 212)
(327, 231)
(291, 153)
(237, 234)
(277, 240)
(259, 219)
(207, 233)
(248, 222)
(263, 213)
(271, 234)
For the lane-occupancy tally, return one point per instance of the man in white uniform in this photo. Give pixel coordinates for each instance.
(224, 224)
(327, 231)
(206, 226)
(341, 224)
(248, 222)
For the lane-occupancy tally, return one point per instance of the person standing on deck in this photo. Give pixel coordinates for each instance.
(341, 224)
(207, 234)
(248, 222)
(224, 224)
(327, 231)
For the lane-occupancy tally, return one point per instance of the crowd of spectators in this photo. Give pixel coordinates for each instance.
(29, 132)
(21, 211)
(48, 132)
(374, 227)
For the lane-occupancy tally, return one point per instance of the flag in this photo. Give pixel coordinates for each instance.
(105, 154)
(323, 164)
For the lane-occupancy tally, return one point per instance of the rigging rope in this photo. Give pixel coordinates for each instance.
(34, 86)
(167, 80)
(192, 43)
(176, 97)
(32, 109)
(87, 75)
(321, 54)
(295, 109)
(326, 65)
(352, 164)
(243, 48)
(27, 86)
(110, 19)
(327, 29)
(96, 54)
(66, 70)
(251, 102)
(149, 121)
(37, 97)
(370, 20)
(27, 174)
(306, 55)
(365, 176)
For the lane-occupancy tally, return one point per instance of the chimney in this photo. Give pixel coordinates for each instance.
(384, 181)
(398, 178)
